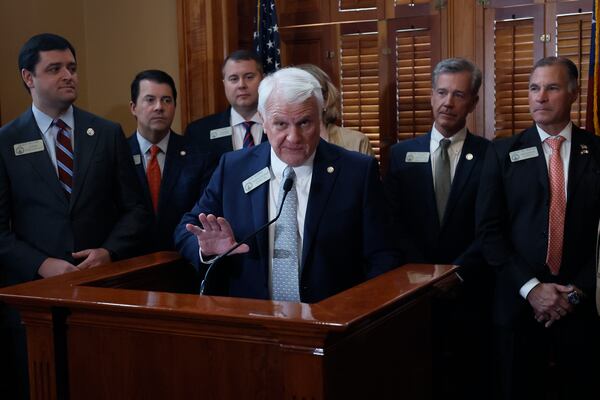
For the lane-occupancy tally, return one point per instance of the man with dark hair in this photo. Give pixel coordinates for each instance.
(172, 171)
(537, 215)
(432, 188)
(69, 198)
(240, 126)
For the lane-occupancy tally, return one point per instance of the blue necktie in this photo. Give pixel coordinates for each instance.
(248, 139)
(284, 274)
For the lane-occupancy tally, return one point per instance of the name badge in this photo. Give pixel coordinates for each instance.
(137, 159)
(523, 154)
(256, 180)
(417, 157)
(28, 147)
(221, 132)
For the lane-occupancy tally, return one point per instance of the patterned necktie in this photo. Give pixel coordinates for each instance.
(442, 177)
(153, 175)
(248, 139)
(558, 203)
(64, 156)
(284, 275)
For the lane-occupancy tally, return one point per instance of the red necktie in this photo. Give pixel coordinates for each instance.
(558, 202)
(64, 156)
(153, 175)
(248, 139)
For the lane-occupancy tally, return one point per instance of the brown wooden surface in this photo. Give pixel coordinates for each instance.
(94, 337)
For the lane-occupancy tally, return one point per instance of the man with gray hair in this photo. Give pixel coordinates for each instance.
(537, 215)
(431, 188)
(332, 233)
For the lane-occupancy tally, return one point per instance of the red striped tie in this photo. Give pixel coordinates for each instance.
(248, 139)
(64, 156)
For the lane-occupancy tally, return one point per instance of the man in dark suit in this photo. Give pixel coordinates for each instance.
(537, 214)
(69, 198)
(172, 172)
(431, 188)
(239, 126)
(335, 224)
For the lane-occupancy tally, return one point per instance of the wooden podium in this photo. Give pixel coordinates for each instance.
(135, 329)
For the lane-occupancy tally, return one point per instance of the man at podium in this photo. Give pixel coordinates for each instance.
(332, 231)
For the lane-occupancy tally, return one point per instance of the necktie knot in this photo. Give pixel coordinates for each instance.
(288, 172)
(61, 124)
(555, 142)
(154, 150)
(248, 124)
(445, 144)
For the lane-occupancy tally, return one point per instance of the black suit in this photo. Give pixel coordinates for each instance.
(198, 133)
(461, 318)
(186, 173)
(512, 217)
(38, 221)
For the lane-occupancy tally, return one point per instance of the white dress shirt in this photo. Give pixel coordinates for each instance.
(239, 131)
(145, 150)
(565, 154)
(302, 184)
(49, 132)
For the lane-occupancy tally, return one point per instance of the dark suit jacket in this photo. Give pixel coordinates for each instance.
(411, 196)
(36, 219)
(345, 232)
(198, 133)
(185, 175)
(512, 218)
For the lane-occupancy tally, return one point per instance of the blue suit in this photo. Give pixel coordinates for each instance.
(411, 196)
(186, 172)
(345, 231)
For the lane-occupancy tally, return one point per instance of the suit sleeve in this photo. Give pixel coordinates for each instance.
(20, 259)
(210, 202)
(493, 230)
(381, 252)
(129, 234)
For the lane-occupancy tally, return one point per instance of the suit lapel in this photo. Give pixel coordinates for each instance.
(462, 173)
(259, 200)
(531, 138)
(139, 169)
(40, 161)
(86, 138)
(425, 171)
(174, 161)
(579, 160)
(321, 186)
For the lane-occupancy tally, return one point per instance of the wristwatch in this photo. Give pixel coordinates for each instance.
(573, 297)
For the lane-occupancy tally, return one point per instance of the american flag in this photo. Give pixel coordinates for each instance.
(266, 36)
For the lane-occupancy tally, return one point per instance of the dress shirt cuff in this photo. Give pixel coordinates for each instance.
(202, 260)
(526, 288)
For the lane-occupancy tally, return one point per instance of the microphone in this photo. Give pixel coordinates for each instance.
(287, 186)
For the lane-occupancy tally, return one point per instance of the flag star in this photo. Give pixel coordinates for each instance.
(272, 6)
(278, 52)
(270, 29)
(255, 35)
(276, 65)
(269, 60)
(275, 28)
(269, 44)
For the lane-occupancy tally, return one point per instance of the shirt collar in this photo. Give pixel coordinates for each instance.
(302, 171)
(237, 119)
(44, 121)
(566, 132)
(145, 144)
(459, 136)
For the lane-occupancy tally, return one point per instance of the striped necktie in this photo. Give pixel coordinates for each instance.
(248, 139)
(64, 156)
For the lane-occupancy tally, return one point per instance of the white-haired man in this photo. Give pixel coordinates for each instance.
(337, 236)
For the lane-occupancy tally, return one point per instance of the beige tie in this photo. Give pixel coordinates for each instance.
(558, 202)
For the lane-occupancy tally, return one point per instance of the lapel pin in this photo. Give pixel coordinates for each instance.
(182, 153)
(469, 156)
(584, 149)
(330, 170)
(90, 132)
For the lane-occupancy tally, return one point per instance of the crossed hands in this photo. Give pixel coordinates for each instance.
(549, 302)
(91, 258)
(216, 237)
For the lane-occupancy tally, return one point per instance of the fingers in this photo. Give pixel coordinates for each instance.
(82, 253)
(244, 248)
